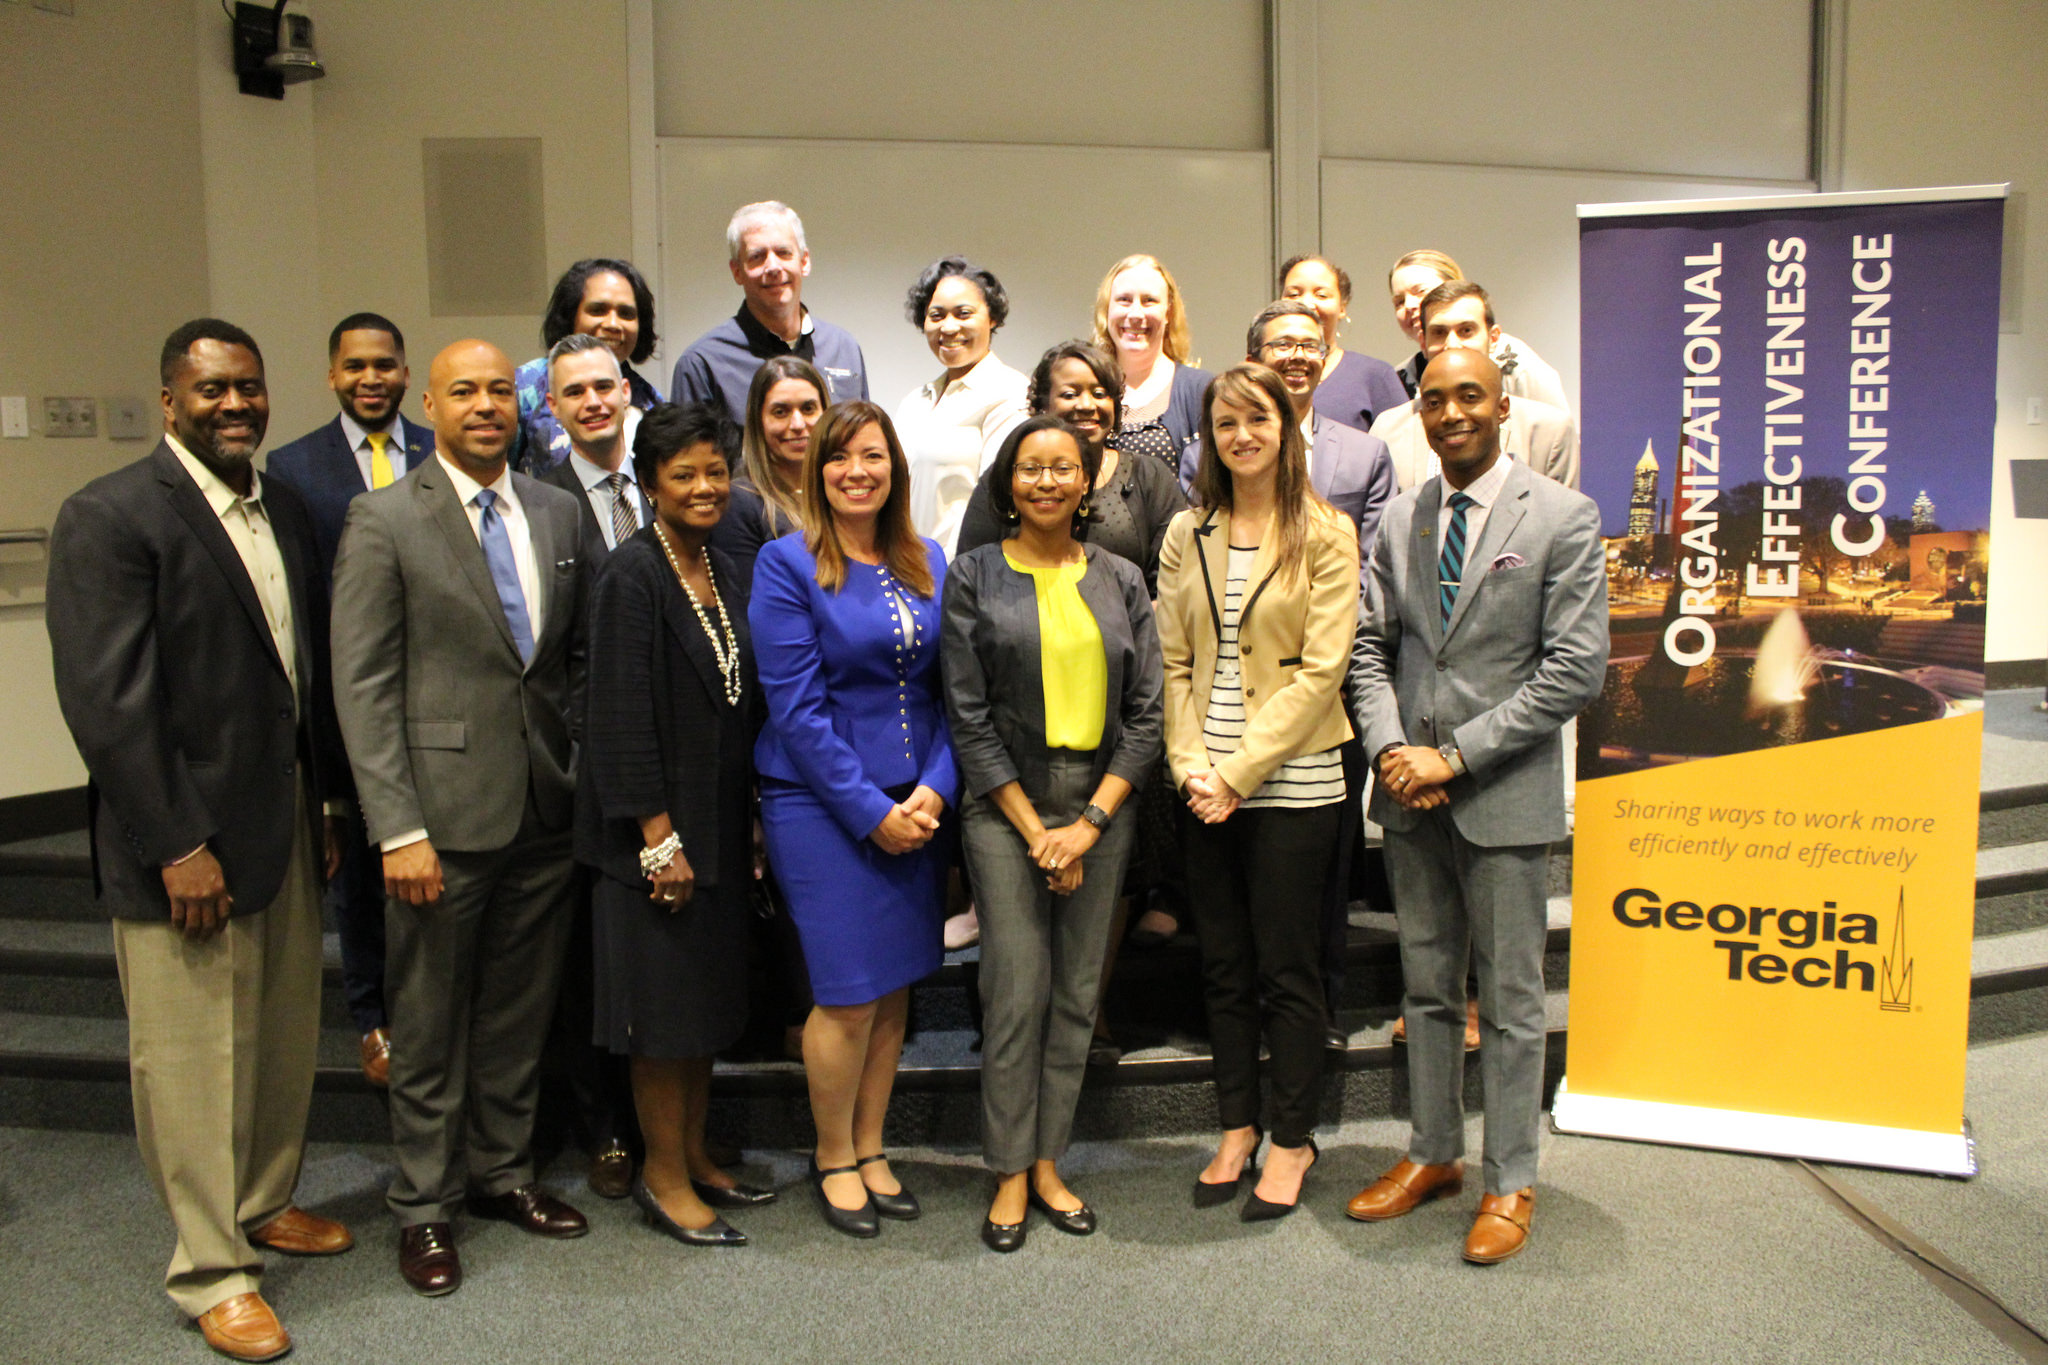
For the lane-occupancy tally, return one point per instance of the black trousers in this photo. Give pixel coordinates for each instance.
(1255, 886)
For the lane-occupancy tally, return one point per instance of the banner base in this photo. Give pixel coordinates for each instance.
(1686, 1125)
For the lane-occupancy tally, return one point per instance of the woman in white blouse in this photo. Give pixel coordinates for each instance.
(952, 426)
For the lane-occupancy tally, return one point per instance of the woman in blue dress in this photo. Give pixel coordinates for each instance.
(857, 784)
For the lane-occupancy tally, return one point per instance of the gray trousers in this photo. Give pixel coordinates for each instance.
(1453, 895)
(470, 983)
(1041, 966)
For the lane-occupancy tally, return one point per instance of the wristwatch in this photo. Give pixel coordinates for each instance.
(1096, 816)
(1454, 759)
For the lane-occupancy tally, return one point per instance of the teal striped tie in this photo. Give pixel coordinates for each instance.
(1450, 567)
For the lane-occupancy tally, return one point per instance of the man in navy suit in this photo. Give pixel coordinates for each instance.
(367, 446)
(1353, 472)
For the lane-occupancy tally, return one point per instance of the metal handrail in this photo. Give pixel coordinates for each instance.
(32, 535)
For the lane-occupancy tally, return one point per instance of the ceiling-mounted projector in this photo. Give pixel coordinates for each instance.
(273, 49)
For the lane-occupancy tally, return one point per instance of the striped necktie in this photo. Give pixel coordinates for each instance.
(380, 462)
(625, 516)
(1450, 567)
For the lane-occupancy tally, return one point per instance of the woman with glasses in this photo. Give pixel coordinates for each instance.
(1053, 688)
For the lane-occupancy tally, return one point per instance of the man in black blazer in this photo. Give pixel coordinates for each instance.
(367, 446)
(458, 670)
(188, 626)
(586, 1091)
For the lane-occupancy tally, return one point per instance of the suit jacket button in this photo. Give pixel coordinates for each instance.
(1441, 665)
(1251, 691)
(288, 769)
(1245, 650)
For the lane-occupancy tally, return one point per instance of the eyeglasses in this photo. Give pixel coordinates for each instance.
(1061, 473)
(1280, 350)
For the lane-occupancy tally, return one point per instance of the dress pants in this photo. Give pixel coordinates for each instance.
(1255, 884)
(223, 1036)
(356, 899)
(1041, 965)
(1454, 896)
(471, 987)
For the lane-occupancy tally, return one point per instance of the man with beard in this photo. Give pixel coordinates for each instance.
(188, 625)
(1484, 634)
(368, 445)
(458, 651)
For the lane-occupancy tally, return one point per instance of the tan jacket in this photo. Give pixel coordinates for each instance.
(1294, 643)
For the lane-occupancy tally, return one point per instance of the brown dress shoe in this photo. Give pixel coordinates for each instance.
(611, 1172)
(1502, 1227)
(244, 1328)
(427, 1259)
(377, 1058)
(1402, 1188)
(533, 1209)
(1399, 1037)
(298, 1233)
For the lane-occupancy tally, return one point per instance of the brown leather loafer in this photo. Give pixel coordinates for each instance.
(1404, 1187)
(1399, 1036)
(611, 1172)
(377, 1058)
(298, 1233)
(244, 1328)
(427, 1259)
(533, 1209)
(1502, 1227)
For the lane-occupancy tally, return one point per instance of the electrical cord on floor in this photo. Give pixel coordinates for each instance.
(2019, 1335)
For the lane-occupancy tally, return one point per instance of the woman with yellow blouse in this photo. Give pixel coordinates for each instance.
(1258, 602)
(1053, 689)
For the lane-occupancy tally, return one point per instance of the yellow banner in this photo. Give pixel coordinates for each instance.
(1747, 938)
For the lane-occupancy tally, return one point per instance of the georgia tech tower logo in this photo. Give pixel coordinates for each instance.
(1740, 933)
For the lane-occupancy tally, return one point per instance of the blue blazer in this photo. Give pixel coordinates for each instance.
(1350, 469)
(322, 470)
(853, 711)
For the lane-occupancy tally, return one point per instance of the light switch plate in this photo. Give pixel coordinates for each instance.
(127, 420)
(14, 418)
(70, 417)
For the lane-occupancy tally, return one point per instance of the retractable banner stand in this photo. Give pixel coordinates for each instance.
(1787, 408)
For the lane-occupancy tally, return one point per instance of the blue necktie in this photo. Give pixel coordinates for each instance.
(1450, 568)
(505, 573)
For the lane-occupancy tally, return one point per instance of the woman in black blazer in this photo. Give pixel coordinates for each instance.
(666, 815)
(1053, 693)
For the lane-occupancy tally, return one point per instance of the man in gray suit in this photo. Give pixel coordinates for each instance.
(458, 668)
(1485, 632)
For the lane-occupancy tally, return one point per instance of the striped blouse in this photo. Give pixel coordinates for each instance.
(1299, 783)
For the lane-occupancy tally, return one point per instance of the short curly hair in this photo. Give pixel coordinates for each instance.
(920, 296)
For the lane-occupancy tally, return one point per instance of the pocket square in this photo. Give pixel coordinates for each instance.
(1510, 560)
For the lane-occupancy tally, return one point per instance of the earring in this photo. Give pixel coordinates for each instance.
(1011, 514)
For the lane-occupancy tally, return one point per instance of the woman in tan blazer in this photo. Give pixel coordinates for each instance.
(1258, 602)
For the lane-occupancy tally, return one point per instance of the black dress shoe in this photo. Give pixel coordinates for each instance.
(611, 1171)
(1209, 1195)
(532, 1209)
(901, 1206)
(1080, 1222)
(427, 1259)
(1004, 1237)
(716, 1233)
(738, 1197)
(1257, 1210)
(864, 1221)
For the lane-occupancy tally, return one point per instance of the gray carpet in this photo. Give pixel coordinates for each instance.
(1640, 1253)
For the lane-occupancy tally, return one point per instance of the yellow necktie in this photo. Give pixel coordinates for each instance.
(380, 463)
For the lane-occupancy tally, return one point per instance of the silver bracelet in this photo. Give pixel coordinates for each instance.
(653, 860)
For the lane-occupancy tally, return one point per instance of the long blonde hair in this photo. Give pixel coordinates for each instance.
(763, 469)
(1175, 342)
(1295, 500)
(903, 550)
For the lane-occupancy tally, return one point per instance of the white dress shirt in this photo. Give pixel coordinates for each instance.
(516, 529)
(359, 445)
(950, 434)
(597, 487)
(1484, 492)
(247, 523)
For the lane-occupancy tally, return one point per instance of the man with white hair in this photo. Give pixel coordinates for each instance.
(769, 258)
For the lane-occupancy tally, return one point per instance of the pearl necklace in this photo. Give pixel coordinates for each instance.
(726, 650)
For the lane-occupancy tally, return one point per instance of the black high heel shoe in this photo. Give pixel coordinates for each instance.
(1079, 1222)
(738, 1197)
(1257, 1210)
(716, 1233)
(902, 1205)
(860, 1222)
(1209, 1195)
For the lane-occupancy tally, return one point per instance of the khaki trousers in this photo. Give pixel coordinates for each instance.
(222, 1041)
